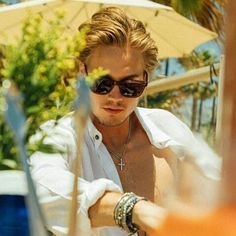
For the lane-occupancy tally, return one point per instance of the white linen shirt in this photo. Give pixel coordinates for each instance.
(54, 179)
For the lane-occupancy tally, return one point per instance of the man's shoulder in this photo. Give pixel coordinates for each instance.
(56, 131)
(64, 122)
(167, 122)
(156, 113)
(62, 129)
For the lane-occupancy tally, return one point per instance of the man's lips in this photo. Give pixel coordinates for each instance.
(112, 109)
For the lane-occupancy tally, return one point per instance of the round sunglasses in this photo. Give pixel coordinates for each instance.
(128, 87)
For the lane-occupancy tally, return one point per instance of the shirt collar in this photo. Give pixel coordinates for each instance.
(94, 133)
(156, 136)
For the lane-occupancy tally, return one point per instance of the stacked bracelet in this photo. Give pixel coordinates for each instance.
(123, 212)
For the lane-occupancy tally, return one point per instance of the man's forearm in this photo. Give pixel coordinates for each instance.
(145, 214)
(101, 213)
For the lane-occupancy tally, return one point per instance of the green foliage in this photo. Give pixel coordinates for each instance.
(167, 100)
(172, 99)
(2, 2)
(201, 90)
(96, 74)
(197, 59)
(43, 66)
(187, 7)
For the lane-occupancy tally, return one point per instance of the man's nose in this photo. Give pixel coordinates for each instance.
(115, 93)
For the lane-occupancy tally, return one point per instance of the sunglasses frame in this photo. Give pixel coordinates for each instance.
(122, 82)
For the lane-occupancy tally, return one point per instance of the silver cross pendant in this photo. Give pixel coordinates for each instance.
(121, 164)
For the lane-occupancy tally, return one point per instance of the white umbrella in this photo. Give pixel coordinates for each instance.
(175, 35)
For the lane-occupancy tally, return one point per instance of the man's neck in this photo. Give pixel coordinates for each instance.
(115, 136)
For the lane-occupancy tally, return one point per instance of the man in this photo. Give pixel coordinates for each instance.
(126, 149)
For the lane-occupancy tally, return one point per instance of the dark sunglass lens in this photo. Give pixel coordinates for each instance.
(132, 89)
(102, 86)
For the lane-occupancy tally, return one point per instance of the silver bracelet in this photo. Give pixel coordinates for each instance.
(123, 212)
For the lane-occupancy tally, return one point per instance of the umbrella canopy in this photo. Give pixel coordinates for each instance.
(174, 34)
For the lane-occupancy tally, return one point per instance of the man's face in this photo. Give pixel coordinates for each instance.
(112, 109)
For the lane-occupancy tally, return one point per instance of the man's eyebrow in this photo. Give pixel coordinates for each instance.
(132, 76)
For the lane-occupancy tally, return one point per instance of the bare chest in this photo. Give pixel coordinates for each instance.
(144, 170)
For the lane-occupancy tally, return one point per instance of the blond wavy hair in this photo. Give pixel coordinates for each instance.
(111, 26)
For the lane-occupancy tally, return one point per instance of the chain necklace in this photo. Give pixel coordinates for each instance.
(120, 155)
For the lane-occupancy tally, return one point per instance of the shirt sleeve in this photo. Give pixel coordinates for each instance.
(54, 183)
(188, 146)
(195, 150)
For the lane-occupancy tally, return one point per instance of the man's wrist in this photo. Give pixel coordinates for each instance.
(123, 212)
(148, 216)
(138, 210)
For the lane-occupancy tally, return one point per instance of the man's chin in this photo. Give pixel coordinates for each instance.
(111, 122)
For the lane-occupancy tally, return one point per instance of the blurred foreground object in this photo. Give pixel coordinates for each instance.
(221, 221)
(17, 121)
(82, 109)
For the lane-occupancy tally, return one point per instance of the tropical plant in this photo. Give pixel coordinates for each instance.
(43, 66)
(173, 99)
(202, 90)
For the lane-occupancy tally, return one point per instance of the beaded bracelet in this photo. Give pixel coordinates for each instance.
(123, 212)
(119, 211)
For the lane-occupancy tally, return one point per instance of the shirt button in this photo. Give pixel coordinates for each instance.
(96, 137)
